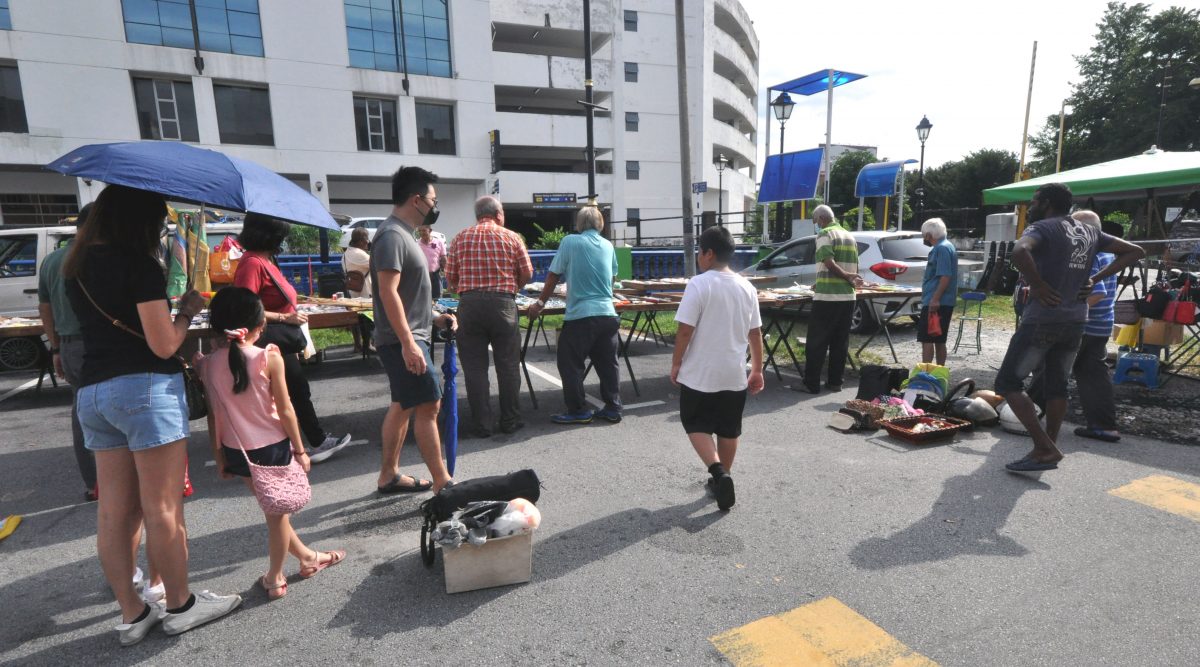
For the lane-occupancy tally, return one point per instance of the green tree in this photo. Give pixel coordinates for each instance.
(305, 240)
(842, 176)
(960, 183)
(1136, 61)
(850, 219)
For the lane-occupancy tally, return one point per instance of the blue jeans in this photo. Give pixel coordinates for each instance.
(1033, 344)
(136, 411)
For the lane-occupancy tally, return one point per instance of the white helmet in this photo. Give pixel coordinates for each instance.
(1010, 423)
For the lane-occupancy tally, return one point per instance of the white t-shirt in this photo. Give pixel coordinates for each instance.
(723, 307)
(357, 259)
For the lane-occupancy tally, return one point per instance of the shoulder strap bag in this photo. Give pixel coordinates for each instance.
(278, 489)
(289, 338)
(355, 280)
(193, 388)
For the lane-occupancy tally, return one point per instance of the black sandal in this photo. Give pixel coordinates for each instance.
(397, 486)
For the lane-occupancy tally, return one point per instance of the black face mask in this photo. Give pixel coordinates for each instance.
(431, 215)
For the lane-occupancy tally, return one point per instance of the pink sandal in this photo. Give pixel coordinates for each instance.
(336, 556)
(273, 592)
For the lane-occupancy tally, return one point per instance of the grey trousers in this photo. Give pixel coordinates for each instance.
(594, 339)
(70, 352)
(1095, 384)
(490, 318)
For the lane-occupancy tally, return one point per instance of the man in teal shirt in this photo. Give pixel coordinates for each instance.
(66, 347)
(588, 263)
(939, 292)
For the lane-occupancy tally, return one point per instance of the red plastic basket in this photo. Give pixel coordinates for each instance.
(902, 427)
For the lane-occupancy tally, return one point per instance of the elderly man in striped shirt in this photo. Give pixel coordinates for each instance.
(833, 303)
(487, 265)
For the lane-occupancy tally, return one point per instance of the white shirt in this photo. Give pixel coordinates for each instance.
(723, 307)
(357, 259)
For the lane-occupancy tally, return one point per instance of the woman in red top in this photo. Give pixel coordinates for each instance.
(262, 238)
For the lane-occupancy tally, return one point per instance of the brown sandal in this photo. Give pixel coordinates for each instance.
(336, 556)
(273, 592)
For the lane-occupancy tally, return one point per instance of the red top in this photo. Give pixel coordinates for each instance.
(254, 272)
(487, 257)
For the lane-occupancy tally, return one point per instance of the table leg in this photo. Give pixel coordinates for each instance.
(768, 348)
(887, 334)
(624, 349)
(529, 328)
(787, 345)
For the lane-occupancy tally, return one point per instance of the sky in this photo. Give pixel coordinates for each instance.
(964, 64)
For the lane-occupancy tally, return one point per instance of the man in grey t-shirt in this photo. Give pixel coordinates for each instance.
(403, 323)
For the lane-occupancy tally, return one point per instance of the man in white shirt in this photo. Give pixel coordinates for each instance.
(718, 319)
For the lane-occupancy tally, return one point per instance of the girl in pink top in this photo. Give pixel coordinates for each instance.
(249, 411)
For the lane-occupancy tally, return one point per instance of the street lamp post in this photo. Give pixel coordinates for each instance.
(720, 164)
(782, 107)
(923, 129)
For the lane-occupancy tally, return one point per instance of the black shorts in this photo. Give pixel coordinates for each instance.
(944, 312)
(409, 389)
(717, 413)
(278, 454)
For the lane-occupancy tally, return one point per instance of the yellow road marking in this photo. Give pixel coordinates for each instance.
(822, 633)
(1165, 493)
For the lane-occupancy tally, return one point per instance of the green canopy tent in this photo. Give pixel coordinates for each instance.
(1164, 172)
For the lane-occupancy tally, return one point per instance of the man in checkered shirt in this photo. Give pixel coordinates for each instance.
(487, 265)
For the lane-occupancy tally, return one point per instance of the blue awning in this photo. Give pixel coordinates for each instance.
(791, 176)
(879, 179)
(817, 82)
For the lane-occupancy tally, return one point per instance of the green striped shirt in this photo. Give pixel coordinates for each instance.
(835, 242)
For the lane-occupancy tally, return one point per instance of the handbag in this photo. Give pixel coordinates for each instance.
(193, 388)
(279, 489)
(1154, 303)
(355, 280)
(289, 338)
(1182, 310)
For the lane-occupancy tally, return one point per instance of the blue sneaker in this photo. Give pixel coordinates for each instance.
(610, 416)
(583, 417)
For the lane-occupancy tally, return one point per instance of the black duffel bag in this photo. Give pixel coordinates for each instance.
(1154, 303)
(874, 381)
(521, 484)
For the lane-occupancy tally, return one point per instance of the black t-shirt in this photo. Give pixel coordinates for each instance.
(118, 280)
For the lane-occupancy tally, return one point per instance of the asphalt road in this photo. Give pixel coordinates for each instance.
(937, 546)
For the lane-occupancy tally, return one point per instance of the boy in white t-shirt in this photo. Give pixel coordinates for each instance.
(718, 318)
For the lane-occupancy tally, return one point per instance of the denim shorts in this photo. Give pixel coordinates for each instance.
(136, 411)
(1032, 344)
(409, 389)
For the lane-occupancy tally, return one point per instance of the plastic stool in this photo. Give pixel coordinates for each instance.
(1137, 367)
(969, 299)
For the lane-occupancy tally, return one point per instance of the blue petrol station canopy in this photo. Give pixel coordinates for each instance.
(879, 179)
(791, 176)
(817, 82)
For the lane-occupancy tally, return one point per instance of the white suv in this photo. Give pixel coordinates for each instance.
(889, 258)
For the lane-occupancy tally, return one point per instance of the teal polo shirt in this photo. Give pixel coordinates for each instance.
(588, 264)
(52, 290)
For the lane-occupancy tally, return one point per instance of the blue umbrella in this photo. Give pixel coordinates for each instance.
(448, 419)
(186, 173)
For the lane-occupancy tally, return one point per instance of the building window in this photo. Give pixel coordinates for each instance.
(372, 27)
(375, 125)
(5, 17)
(12, 102)
(244, 115)
(633, 217)
(633, 170)
(630, 20)
(435, 129)
(40, 210)
(631, 121)
(166, 109)
(227, 26)
(631, 72)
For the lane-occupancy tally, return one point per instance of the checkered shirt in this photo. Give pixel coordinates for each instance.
(487, 257)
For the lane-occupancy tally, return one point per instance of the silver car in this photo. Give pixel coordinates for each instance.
(888, 258)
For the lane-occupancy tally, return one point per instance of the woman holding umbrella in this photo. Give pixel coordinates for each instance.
(262, 238)
(132, 406)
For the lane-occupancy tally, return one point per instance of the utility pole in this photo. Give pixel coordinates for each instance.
(685, 141)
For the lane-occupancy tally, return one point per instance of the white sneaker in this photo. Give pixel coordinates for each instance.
(328, 448)
(138, 580)
(207, 607)
(153, 594)
(132, 633)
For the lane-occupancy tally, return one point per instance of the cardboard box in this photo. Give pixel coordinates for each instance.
(499, 562)
(1157, 332)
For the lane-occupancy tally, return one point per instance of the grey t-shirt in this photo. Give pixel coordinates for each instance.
(1064, 253)
(394, 248)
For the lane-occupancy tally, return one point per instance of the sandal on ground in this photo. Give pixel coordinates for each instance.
(274, 592)
(1028, 464)
(336, 556)
(397, 485)
(1097, 434)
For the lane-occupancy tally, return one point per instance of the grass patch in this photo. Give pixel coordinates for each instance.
(323, 338)
(997, 309)
(666, 322)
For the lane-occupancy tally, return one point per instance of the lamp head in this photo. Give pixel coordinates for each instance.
(721, 162)
(923, 129)
(782, 106)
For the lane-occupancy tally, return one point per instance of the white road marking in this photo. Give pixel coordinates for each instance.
(553, 379)
(14, 392)
(647, 404)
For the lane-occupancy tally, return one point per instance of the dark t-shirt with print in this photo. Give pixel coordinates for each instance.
(1064, 253)
(118, 280)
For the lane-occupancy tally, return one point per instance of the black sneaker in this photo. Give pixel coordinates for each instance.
(509, 429)
(723, 489)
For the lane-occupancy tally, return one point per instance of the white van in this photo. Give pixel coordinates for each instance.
(22, 250)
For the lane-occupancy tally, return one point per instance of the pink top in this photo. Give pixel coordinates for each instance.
(434, 251)
(250, 418)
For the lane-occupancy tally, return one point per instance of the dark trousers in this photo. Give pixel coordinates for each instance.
(594, 339)
(828, 335)
(301, 395)
(1092, 381)
(70, 352)
(435, 283)
(490, 318)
